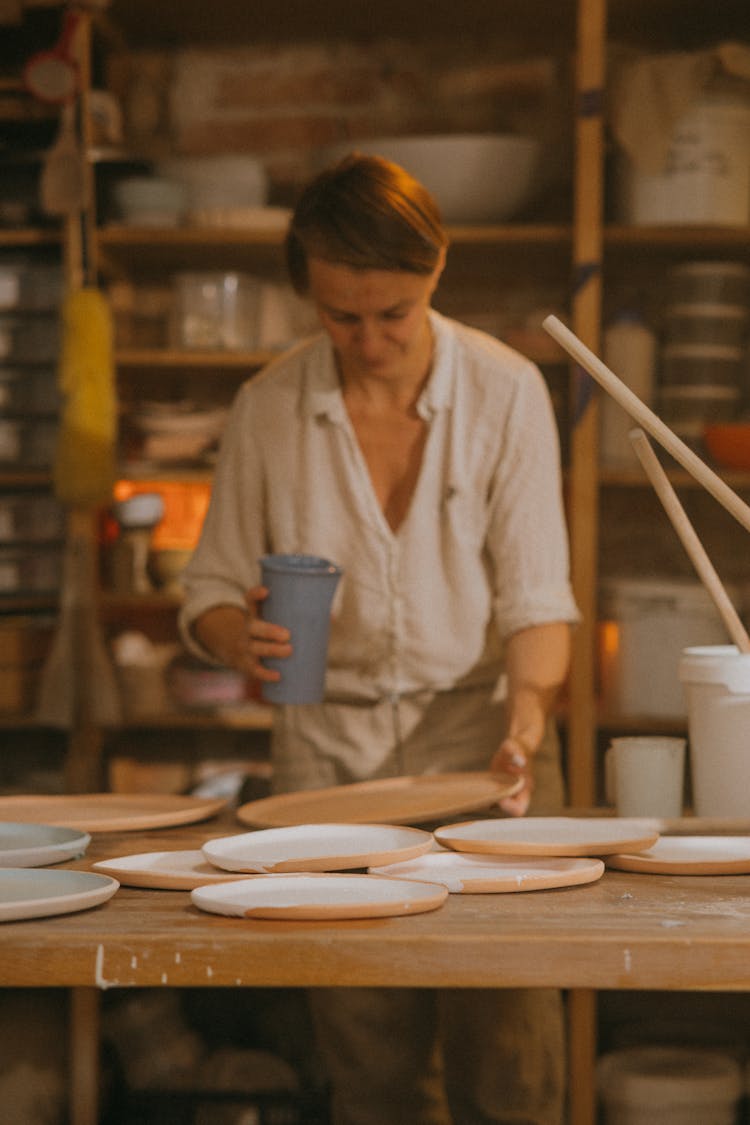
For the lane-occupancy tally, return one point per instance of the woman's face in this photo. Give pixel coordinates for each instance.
(377, 319)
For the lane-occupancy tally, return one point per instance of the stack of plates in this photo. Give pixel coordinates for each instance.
(28, 889)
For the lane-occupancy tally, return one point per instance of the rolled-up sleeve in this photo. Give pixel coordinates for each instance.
(225, 562)
(527, 535)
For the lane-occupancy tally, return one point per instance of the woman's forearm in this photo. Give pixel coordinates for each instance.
(537, 661)
(222, 631)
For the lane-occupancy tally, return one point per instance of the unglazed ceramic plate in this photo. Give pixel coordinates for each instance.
(318, 897)
(487, 874)
(389, 800)
(164, 871)
(39, 845)
(109, 812)
(37, 893)
(689, 855)
(317, 847)
(549, 835)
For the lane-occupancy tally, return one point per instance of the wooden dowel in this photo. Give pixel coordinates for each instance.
(650, 422)
(689, 538)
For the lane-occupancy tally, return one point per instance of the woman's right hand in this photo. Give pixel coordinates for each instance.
(241, 639)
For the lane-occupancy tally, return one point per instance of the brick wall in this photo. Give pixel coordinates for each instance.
(281, 102)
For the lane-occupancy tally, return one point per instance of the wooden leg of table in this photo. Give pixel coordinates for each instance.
(582, 1056)
(84, 1056)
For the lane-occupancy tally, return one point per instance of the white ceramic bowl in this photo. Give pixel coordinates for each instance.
(475, 177)
(230, 180)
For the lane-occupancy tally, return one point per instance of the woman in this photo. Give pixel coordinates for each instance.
(422, 456)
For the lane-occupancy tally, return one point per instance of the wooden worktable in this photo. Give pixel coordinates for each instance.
(626, 931)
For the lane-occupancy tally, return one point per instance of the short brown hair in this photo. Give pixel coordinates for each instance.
(367, 213)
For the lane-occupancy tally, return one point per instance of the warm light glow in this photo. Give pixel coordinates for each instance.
(610, 637)
(609, 648)
(185, 507)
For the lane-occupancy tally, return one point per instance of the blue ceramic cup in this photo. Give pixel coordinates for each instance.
(300, 592)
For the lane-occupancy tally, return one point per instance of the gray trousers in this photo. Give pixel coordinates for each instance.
(427, 1056)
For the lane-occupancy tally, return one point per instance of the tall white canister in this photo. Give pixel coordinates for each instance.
(630, 351)
(716, 681)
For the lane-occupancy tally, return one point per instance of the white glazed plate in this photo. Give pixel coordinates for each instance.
(318, 897)
(164, 871)
(689, 855)
(550, 835)
(488, 874)
(39, 845)
(317, 847)
(38, 893)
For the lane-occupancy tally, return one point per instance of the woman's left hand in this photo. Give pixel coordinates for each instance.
(513, 758)
(536, 664)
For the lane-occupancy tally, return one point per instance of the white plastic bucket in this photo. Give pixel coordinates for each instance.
(662, 1085)
(647, 624)
(707, 174)
(716, 680)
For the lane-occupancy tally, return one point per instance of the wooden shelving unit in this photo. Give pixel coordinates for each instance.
(580, 246)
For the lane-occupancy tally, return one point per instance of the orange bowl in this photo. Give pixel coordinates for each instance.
(729, 444)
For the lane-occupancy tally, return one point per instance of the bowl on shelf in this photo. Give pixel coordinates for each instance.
(219, 180)
(728, 443)
(475, 177)
(192, 683)
(177, 432)
(150, 201)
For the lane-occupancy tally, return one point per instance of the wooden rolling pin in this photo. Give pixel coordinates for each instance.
(650, 422)
(689, 539)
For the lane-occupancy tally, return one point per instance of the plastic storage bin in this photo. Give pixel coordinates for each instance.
(702, 365)
(29, 390)
(28, 339)
(703, 323)
(688, 410)
(715, 283)
(30, 287)
(699, 404)
(663, 1085)
(647, 623)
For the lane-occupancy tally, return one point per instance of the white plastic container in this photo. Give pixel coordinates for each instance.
(647, 625)
(663, 1085)
(630, 351)
(716, 681)
(706, 178)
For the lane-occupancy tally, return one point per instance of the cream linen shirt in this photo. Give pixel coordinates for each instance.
(482, 551)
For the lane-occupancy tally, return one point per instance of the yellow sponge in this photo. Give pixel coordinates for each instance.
(85, 460)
